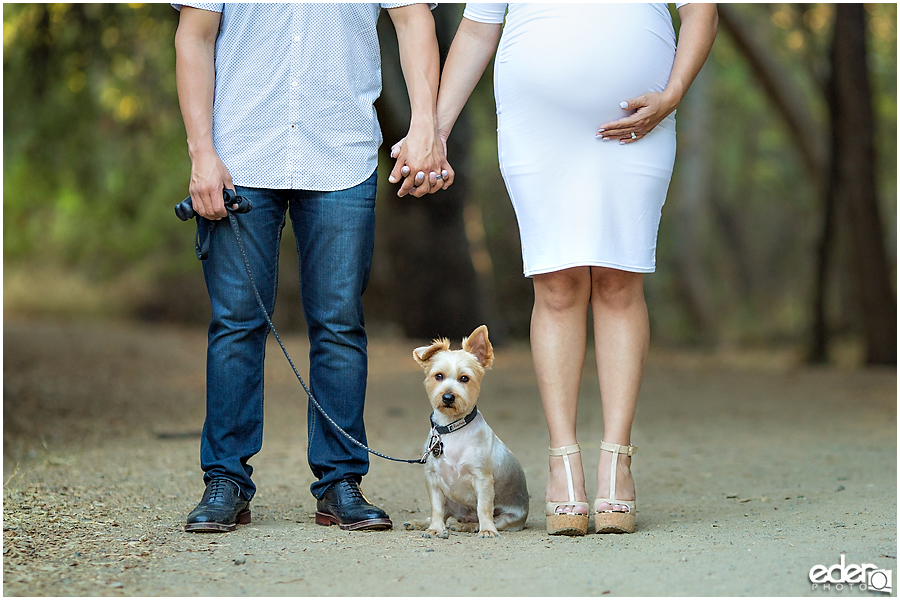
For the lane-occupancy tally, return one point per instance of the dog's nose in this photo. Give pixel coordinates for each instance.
(448, 399)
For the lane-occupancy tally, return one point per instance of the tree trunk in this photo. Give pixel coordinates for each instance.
(813, 148)
(436, 287)
(818, 349)
(854, 178)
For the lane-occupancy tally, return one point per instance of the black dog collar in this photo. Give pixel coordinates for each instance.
(455, 425)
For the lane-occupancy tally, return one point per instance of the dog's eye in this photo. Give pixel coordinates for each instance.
(439, 376)
(464, 379)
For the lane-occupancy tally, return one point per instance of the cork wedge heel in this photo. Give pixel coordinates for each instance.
(613, 521)
(567, 523)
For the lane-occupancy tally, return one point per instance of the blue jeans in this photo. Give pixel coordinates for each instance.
(335, 234)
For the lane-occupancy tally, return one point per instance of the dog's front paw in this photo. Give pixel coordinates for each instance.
(415, 524)
(489, 533)
(443, 533)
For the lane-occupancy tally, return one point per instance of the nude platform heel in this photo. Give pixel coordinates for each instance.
(610, 521)
(566, 523)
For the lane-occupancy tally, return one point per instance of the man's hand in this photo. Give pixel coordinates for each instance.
(209, 176)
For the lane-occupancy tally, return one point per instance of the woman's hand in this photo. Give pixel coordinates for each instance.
(447, 171)
(699, 22)
(400, 170)
(650, 109)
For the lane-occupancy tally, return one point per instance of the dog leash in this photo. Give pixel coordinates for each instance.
(237, 204)
(433, 441)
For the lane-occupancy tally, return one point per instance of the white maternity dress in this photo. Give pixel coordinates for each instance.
(561, 71)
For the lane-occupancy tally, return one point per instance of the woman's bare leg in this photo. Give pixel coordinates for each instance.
(622, 338)
(558, 337)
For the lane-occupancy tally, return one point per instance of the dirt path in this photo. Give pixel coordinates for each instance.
(747, 477)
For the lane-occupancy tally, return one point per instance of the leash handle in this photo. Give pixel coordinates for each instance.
(237, 234)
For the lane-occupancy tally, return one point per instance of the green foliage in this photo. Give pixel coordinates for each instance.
(94, 153)
(766, 216)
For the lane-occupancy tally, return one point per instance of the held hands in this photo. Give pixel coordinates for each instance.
(434, 172)
(650, 109)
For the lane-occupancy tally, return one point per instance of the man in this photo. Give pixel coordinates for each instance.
(277, 104)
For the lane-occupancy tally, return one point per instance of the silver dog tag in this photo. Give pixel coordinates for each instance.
(438, 449)
(435, 446)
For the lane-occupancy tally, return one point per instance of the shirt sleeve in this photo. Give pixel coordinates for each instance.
(201, 5)
(431, 5)
(485, 12)
(680, 4)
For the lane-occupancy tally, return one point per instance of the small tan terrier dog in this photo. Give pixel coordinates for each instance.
(471, 475)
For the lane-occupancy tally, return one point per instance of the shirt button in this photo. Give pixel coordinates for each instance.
(296, 38)
(293, 84)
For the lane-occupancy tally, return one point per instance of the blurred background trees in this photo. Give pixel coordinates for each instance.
(780, 227)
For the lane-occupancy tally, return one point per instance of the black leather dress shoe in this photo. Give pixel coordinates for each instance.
(343, 504)
(221, 508)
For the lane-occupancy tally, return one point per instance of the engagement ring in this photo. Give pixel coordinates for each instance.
(634, 137)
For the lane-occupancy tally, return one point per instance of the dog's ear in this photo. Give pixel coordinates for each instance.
(479, 345)
(424, 354)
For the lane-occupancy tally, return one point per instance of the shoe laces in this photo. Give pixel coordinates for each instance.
(353, 492)
(218, 490)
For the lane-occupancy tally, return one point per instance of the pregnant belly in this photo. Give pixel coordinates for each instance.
(583, 59)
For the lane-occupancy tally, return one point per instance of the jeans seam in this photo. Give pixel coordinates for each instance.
(262, 394)
(312, 413)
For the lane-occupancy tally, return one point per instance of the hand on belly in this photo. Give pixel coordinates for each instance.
(648, 111)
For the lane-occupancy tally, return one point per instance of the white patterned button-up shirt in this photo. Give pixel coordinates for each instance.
(295, 85)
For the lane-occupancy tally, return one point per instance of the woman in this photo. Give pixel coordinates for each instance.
(585, 96)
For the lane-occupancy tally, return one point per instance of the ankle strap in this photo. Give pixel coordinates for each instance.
(565, 450)
(618, 448)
